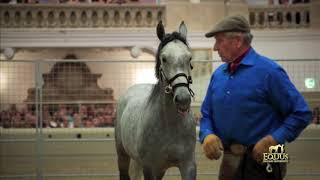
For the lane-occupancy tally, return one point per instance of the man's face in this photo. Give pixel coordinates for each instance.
(227, 47)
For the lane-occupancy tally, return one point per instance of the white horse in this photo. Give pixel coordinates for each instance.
(155, 129)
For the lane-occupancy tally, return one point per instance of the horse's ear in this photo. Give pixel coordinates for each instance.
(160, 31)
(183, 30)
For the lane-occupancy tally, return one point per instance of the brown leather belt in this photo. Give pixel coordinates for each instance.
(236, 149)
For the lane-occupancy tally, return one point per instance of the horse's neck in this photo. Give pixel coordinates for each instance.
(164, 103)
(158, 96)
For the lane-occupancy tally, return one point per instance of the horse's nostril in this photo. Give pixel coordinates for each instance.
(183, 100)
(176, 100)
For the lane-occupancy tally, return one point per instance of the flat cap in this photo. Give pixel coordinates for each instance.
(236, 23)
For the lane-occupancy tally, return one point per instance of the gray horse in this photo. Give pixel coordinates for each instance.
(155, 129)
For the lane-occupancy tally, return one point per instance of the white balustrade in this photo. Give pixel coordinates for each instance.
(280, 16)
(80, 15)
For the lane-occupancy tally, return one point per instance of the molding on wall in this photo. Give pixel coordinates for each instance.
(299, 41)
(76, 38)
(289, 35)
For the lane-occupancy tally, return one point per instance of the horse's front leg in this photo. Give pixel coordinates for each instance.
(150, 174)
(188, 170)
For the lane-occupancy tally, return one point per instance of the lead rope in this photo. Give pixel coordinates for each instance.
(269, 168)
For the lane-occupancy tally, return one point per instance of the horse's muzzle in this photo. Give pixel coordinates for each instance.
(182, 100)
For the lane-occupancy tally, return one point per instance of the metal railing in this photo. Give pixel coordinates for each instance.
(64, 153)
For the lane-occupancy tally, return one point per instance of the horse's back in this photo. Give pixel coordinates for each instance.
(134, 94)
(138, 91)
(130, 107)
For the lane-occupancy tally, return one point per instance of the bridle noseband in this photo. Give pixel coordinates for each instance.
(169, 89)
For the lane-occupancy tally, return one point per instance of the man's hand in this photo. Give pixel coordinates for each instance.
(262, 146)
(212, 147)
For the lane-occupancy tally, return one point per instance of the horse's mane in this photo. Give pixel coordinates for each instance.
(167, 38)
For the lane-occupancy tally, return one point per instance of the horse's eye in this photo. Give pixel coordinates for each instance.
(164, 60)
(190, 63)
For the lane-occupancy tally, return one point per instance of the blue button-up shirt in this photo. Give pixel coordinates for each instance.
(257, 100)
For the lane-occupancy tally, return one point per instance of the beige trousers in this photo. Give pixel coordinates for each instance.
(230, 164)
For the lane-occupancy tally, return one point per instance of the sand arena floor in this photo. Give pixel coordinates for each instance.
(65, 157)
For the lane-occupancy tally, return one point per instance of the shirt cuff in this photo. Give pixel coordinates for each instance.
(203, 134)
(279, 135)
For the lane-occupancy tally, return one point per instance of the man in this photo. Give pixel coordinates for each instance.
(250, 102)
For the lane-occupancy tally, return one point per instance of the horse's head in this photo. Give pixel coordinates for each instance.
(173, 66)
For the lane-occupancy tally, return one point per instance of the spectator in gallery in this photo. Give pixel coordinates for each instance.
(316, 115)
(5, 119)
(78, 120)
(88, 123)
(17, 120)
(31, 119)
(96, 121)
(110, 114)
(83, 111)
(47, 118)
(70, 118)
(91, 111)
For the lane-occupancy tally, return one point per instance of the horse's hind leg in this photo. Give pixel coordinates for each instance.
(123, 158)
(123, 164)
(151, 175)
(147, 174)
(135, 170)
(159, 176)
(188, 170)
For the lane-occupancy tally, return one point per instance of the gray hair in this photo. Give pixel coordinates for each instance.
(247, 36)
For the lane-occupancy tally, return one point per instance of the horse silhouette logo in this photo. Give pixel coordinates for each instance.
(276, 154)
(276, 149)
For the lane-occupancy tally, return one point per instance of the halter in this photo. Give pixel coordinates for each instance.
(169, 89)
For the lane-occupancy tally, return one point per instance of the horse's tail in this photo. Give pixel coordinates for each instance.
(123, 157)
(122, 102)
(135, 170)
(120, 106)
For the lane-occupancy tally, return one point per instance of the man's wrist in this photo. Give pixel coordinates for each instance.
(271, 140)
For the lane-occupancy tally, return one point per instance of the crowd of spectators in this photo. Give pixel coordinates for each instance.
(62, 116)
(316, 115)
(70, 116)
(283, 2)
(69, 1)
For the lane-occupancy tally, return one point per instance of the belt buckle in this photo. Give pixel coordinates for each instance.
(238, 149)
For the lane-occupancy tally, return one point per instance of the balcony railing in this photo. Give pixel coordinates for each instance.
(280, 16)
(80, 16)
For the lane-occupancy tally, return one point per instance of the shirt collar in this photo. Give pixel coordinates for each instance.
(238, 60)
(247, 58)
